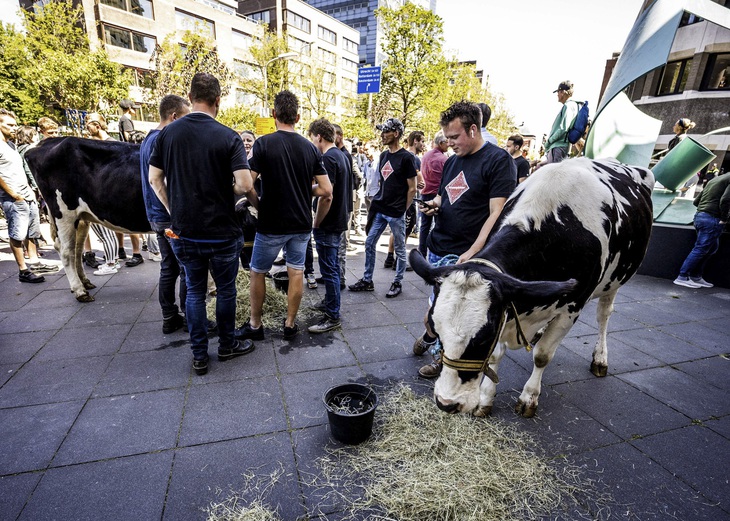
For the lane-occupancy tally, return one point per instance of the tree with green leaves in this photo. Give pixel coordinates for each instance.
(175, 65)
(263, 60)
(53, 63)
(238, 117)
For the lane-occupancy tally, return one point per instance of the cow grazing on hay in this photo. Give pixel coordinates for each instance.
(82, 181)
(574, 231)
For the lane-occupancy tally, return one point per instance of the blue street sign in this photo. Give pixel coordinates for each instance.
(368, 80)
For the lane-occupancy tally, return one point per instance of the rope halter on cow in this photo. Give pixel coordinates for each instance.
(482, 366)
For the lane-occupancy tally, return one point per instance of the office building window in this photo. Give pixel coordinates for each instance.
(717, 74)
(327, 57)
(349, 64)
(127, 39)
(349, 45)
(196, 24)
(299, 22)
(300, 46)
(327, 35)
(139, 7)
(261, 16)
(241, 40)
(674, 77)
(140, 77)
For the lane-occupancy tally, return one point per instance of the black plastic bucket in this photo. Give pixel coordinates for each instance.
(281, 281)
(350, 410)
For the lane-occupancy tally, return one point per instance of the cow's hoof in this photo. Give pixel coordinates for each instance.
(599, 370)
(523, 410)
(483, 411)
(85, 298)
(88, 284)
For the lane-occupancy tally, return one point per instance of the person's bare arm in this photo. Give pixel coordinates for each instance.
(411, 191)
(159, 185)
(7, 190)
(322, 186)
(243, 185)
(323, 206)
(495, 208)
(431, 207)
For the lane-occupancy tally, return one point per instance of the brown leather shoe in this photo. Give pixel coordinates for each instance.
(420, 346)
(432, 370)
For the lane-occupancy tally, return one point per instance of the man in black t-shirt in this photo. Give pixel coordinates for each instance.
(192, 178)
(514, 149)
(126, 125)
(397, 170)
(291, 172)
(476, 182)
(329, 224)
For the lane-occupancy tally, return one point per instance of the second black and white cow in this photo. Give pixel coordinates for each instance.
(82, 181)
(574, 231)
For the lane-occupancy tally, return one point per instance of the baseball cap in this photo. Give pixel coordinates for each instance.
(391, 125)
(564, 85)
(128, 104)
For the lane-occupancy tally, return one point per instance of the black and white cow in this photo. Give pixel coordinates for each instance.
(82, 181)
(574, 231)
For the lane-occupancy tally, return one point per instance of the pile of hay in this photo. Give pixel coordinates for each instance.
(275, 304)
(235, 508)
(422, 464)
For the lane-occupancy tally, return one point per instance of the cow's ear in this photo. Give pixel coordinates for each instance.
(423, 268)
(535, 293)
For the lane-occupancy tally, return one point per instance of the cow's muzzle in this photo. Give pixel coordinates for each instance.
(451, 408)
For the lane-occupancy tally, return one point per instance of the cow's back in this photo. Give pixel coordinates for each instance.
(90, 179)
(579, 219)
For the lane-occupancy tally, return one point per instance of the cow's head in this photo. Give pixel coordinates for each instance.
(470, 301)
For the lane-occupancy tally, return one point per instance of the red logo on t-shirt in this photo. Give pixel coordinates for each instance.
(386, 170)
(457, 187)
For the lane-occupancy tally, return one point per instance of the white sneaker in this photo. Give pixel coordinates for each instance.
(106, 269)
(156, 257)
(686, 282)
(702, 282)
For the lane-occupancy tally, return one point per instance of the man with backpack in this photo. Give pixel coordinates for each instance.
(557, 145)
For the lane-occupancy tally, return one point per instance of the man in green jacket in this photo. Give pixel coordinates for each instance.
(557, 145)
(713, 211)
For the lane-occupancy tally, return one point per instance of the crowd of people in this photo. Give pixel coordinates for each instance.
(234, 199)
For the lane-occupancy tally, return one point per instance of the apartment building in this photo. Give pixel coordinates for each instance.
(694, 83)
(324, 75)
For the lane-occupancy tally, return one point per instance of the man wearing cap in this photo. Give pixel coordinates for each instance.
(557, 145)
(397, 169)
(126, 126)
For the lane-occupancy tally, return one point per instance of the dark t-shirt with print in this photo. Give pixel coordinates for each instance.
(523, 167)
(199, 174)
(467, 185)
(339, 171)
(395, 170)
(287, 164)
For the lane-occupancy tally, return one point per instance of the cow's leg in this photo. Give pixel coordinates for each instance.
(67, 241)
(599, 365)
(488, 387)
(82, 231)
(541, 356)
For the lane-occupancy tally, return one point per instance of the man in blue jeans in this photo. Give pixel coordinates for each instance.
(171, 108)
(713, 212)
(397, 170)
(192, 178)
(330, 223)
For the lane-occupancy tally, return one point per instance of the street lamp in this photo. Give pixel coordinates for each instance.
(282, 56)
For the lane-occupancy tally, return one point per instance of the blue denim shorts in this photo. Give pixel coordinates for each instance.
(267, 247)
(23, 219)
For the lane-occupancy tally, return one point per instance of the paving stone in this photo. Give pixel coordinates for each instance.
(655, 313)
(621, 408)
(641, 488)
(713, 370)
(140, 372)
(50, 298)
(705, 474)
(386, 374)
(659, 345)
(14, 294)
(585, 325)
(20, 347)
(14, 492)
(410, 311)
(215, 472)
(152, 312)
(622, 358)
(620, 321)
(380, 343)
(369, 315)
(53, 381)
(140, 291)
(309, 352)
(31, 435)
(566, 366)
(122, 426)
(147, 336)
(6, 371)
(25, 320)
(261, 362)
(84, 342)
(303, 393)
(229, 410)
(680, 391)
(99, 314)
(719, 425)
(701, 336)
(119, 489)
